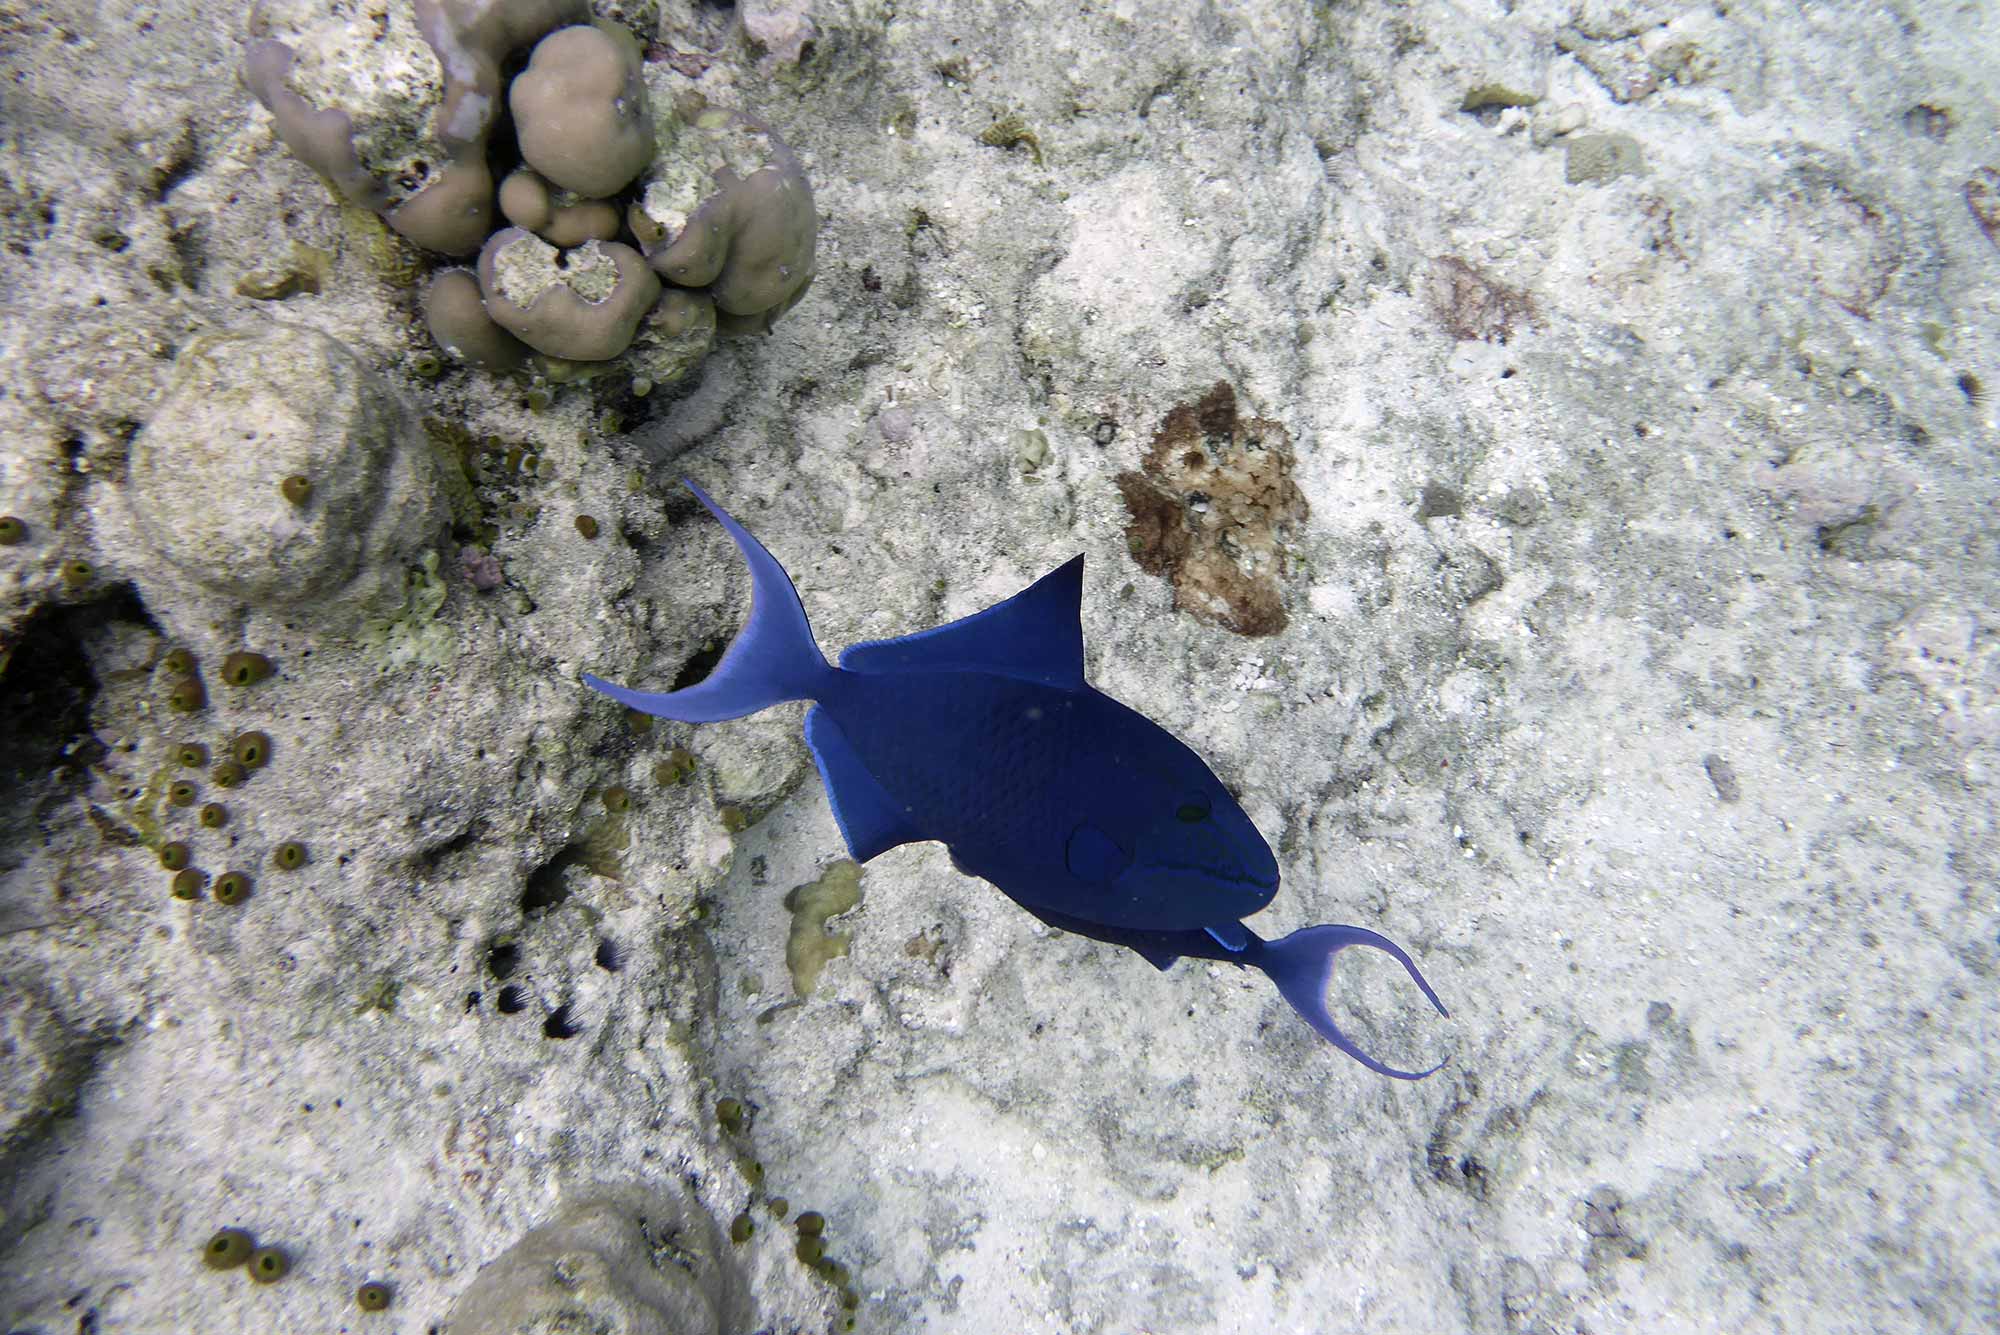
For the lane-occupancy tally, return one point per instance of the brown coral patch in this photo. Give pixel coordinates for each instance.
(1208, 506)
(1982, 199)
(1468, 305)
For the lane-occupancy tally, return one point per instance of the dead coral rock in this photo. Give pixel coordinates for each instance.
(1208, 506)
(635, 1258)
(1468, 305)
(1849, 245)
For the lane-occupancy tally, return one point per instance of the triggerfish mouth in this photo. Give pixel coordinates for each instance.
(983, 734)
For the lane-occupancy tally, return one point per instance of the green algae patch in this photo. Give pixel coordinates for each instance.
(414, 636)
(811, 945)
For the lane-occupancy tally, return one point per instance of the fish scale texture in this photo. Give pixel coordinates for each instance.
(968, 752)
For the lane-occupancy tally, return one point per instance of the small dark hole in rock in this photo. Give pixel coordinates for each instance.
(503, 959)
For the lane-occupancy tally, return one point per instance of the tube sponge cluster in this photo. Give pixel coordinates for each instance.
(634, 227)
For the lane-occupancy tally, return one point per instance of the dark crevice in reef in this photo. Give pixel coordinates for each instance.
(47, 686)
(696, 669)
(546, 888)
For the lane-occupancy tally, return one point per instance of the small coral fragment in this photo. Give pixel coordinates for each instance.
(482, 568)
(1469, 305)
(373, 1296)
(303, 272)
(1982, 201)
(623, 1259)
(810, 945)
(1601, 157)
(1486, 95)
(1011, 131)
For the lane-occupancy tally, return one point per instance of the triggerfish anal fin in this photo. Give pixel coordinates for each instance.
(869, 819)
(772, 659)
(1231, 936)
(1037, 635)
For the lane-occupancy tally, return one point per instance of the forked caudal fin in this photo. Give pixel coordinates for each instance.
(1302, 965)
(772, 659)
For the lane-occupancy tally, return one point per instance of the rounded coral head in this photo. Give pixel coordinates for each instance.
(580, 110)
(584, 304)
(727, 209)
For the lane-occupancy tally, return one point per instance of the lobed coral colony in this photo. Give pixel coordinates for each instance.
(636, 225)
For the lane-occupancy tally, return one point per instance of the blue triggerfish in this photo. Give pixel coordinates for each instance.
(984, 735)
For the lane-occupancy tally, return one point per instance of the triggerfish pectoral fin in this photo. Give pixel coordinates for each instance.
(1302, 965)
(771, 660)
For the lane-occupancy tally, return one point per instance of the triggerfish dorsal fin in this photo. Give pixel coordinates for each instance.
(1037, 635)
(772, 659)
(870, 820)
(1302, 966)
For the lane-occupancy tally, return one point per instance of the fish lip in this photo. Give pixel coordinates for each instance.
(1224, 877)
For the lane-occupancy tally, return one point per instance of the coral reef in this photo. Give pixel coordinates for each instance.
(719, 204)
